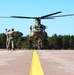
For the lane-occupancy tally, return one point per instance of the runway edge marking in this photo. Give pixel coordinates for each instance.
(36, 68)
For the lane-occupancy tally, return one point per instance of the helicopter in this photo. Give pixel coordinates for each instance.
(37, 31)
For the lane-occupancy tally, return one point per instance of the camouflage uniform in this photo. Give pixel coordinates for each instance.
(10, 38)
(40, 43)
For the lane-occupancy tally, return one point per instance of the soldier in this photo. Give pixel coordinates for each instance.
(10, 38)
(7, 40)
(39, 43)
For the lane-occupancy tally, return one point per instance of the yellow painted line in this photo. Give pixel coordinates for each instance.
(36, 66)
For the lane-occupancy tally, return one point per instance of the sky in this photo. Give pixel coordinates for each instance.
(59, 26)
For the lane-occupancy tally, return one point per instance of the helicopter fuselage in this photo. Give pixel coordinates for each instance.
(37, 31)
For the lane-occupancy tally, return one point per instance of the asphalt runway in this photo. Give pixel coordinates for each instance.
(15, 62)
(53, 62)
(57, 62)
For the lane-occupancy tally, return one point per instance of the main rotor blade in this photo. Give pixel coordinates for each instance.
(4, 17)
(50, 14)
(23, 17)
(60, 16)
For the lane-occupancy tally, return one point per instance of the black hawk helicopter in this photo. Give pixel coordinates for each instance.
(37, 31)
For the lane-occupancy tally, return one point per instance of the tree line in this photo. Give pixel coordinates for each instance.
(55, 41)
